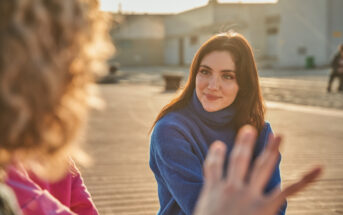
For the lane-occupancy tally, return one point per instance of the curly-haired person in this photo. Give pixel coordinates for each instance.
(50, 51)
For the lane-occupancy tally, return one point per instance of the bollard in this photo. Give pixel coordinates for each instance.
(172, 81)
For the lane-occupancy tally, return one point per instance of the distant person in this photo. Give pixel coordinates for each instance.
(337, 69)
(222, 94)
(50, 51)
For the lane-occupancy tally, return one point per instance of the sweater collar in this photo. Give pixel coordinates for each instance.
(217, 118)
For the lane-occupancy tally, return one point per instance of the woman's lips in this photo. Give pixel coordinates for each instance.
(211, 97)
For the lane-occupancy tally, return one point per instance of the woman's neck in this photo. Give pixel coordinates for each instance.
(217, 118)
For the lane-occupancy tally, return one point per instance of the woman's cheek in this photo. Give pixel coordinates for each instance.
(201, 82)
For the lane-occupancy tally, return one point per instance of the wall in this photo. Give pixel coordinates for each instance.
(171, 51)
(180, 28)
(191, 49)
(183, 23)
(139, 40)
(140, 27)
(303, 32)
(247, 19)
(335, 23)
(139, 52)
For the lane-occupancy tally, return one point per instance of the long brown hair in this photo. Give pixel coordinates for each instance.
(249, 102)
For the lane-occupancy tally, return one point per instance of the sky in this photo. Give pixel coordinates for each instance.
(162, 6)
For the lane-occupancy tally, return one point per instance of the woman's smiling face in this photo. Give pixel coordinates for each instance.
(215, 84)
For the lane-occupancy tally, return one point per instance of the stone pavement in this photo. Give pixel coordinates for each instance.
(303, 92)
(121, 182)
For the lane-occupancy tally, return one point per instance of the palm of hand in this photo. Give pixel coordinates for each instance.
(238, 194)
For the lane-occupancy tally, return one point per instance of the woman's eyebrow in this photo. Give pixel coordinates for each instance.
(207, 67)
(223, 71)
(228, 70)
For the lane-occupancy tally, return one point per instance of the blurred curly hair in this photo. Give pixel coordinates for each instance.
(50, 51)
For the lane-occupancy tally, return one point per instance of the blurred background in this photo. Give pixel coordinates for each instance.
(294, 42)
(284, 34)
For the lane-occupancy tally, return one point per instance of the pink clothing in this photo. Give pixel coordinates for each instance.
(68, 196)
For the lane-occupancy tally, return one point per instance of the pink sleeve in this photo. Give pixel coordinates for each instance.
(31, 198)
(81, 202)
(46, 204)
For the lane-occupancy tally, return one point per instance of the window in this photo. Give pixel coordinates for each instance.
(272, 31)
(193, 40)
(275, 19)
(302, 50)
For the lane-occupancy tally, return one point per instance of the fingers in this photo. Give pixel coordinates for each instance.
(213, 165)
(241, 154)
(279, 197)
(265, 164)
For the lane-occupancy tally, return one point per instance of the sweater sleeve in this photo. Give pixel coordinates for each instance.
(275, 179)
(45, 204)
(81, 202)
(31, 198)
(179, 168)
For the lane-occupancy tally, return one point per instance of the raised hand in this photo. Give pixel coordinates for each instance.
(241, 193)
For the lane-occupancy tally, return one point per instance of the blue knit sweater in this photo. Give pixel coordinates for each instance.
(179, 144)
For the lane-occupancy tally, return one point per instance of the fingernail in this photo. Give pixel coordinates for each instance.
(218, 147)
(248, 136)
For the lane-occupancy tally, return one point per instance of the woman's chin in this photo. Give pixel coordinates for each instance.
(211, 109)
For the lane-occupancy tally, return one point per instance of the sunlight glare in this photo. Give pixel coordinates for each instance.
(163, 6)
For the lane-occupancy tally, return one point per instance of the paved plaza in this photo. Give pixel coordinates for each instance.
(121, 182)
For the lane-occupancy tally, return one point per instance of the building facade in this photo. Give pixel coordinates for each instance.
(285, 34)
(139, 39)
(308, 28)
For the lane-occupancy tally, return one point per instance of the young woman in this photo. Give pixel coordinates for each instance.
(221, 95)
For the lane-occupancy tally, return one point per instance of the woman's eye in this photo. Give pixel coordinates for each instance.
(204, 72)
(229, 77)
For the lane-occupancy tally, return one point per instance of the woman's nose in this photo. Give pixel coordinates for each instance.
(214, 83)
